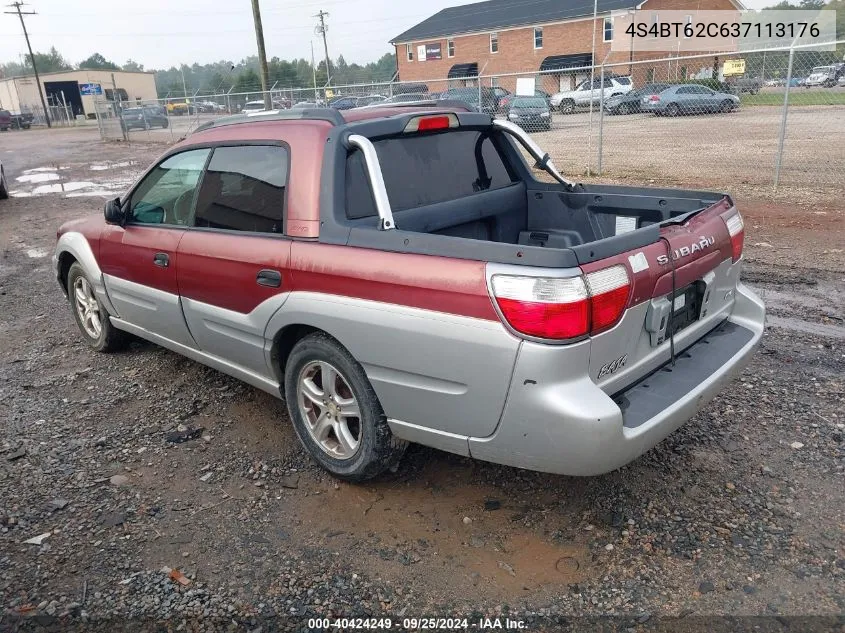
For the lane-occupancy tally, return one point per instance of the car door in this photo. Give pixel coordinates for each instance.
(139, 259)
(686, 99)
(234, 260)
(710, 99)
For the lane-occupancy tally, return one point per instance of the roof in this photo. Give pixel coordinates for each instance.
(497, 14)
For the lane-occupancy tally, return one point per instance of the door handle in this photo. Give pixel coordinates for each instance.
(269, 278)
(161, 259)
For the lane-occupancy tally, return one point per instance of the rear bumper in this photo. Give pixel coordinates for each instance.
(570, 426)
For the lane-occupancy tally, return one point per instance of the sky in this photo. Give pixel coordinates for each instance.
(164, 33)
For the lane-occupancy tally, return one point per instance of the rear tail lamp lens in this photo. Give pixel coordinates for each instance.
(562, 308)
(608, 290)
(736, 229)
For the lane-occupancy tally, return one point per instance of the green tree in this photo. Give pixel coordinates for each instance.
(98, 62)
(49, 62)
(133, 66)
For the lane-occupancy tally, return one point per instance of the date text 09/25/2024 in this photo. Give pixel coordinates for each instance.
(417, 624)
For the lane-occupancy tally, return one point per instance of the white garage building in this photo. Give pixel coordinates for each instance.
(76, 90)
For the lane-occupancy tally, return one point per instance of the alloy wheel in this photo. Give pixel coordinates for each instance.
(87, 307)
(330, 409)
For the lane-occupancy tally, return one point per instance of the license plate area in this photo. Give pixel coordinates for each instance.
(687, 307)
(671, 314)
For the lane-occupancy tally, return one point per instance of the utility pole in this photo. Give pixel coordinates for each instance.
(184, 85)
(321, 30)
(17, 5)
(314, 72)
(262, 55)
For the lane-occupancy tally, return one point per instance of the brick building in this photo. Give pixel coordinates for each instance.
(554, 37)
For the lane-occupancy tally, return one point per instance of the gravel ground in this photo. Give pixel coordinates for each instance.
(739, 513)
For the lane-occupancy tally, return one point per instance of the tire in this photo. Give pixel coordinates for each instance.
(726, 106)
(567, 106)
(374, 450)
(109, 338)
(625, 108)
(165, 124)
(4, 188)
(672, 109)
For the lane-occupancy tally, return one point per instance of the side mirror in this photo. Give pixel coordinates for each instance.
(114, 213)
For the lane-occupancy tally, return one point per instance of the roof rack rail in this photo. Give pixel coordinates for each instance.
(310, 114)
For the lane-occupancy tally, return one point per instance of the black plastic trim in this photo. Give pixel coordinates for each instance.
(312, 114)
(667, 384)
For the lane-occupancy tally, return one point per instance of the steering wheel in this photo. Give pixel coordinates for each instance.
(182, 207)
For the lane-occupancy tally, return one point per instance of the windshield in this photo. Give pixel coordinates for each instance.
(529, 102)
(821, 69)
(133, 111)
(254, 105)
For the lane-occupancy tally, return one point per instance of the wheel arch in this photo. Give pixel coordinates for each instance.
(283, 343)
(74, 246)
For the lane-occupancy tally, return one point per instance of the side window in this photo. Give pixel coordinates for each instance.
(244, 189)
(166, 195)
(685, 90)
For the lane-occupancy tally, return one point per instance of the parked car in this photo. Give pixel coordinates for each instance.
(505, 101)
(258, 105)
(689, 99)
(630, 102)
(484, 100)
(825, 76)
(19, 120)
(343, 103)
(143, 118)
(360, 102)
(590, 91)
(739, 85)
(303, 105)
(407, 97)
(428, 288)
(4, 185)
(530, 113)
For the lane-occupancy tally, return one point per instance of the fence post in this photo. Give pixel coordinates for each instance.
(601, 121)
(779, 159)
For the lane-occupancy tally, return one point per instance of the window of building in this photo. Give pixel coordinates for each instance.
(649, 76)
(244, 189)
(450, 48)
(538, 37)
(608, 29)
(494, 42)
(409, 51)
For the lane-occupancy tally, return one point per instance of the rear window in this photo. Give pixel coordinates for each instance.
(625, 81)
(427, 169)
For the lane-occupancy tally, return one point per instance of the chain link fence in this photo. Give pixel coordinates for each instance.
(764, 118)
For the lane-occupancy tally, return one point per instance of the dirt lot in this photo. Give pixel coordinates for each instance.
(739, 513)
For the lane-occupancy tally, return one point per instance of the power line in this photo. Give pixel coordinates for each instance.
(17, 5)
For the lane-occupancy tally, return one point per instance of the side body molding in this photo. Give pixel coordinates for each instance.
(77, 245)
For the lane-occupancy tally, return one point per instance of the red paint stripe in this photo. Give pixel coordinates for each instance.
(454, 286)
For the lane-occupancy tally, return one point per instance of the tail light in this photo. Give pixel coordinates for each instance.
(562, 308)
(736, 229)
(429, 123)
(654, 98)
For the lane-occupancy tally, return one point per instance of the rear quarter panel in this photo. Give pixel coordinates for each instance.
(423, 328)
